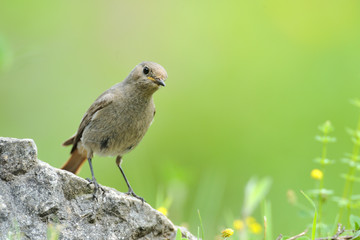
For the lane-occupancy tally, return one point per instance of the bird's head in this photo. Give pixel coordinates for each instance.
(148, 76)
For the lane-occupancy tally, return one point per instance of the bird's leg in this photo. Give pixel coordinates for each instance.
(130, 191)
(93, 180)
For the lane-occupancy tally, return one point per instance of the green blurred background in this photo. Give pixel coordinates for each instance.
(249, 82)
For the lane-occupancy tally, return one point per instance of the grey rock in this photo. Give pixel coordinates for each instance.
(35, 197)
(16, 157)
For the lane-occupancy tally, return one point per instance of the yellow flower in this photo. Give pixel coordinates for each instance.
(250, 220)
(227, 233)
(238, 224)
(317, 174)
(255, 228)
(163, 210)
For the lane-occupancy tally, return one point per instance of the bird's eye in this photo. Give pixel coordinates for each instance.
(146, 70)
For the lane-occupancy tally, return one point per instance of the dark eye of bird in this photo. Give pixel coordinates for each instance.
(146, 70)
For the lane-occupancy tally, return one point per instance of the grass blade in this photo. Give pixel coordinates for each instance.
(266, 212)
(178, 234)
(201, 225)
(313, 232)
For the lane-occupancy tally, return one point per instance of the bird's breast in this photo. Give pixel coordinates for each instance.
(118, 129)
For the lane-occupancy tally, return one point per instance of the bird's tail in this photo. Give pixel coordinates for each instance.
(75, 161)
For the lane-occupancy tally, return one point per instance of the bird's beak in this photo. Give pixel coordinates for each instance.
(158, 81)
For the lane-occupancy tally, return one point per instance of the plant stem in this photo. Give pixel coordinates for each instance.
(321, 185)
(351, 175)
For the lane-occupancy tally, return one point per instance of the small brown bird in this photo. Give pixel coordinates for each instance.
(117, 120)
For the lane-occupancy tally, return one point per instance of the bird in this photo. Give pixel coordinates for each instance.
(117, 121)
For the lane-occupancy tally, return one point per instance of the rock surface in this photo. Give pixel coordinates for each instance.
(35, 197)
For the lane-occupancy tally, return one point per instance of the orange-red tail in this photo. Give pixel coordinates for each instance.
(75, 161)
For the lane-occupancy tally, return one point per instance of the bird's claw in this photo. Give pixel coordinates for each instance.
(97, 187)
(131, 192)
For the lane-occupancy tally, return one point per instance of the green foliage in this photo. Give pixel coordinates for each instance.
(356, 236)
(324, 161)
(15, 233)
(268, 223)
(355, 222)
(318, 196)
(246, 226)
(346, 202)
(355, 225)
(313, 232)
(179, 235)
(53, 231)
(201, 227)
(326, 128)
(325, 139)
(255, 191)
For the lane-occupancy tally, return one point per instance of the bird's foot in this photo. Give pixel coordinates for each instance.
(97, 187)
(131, 192)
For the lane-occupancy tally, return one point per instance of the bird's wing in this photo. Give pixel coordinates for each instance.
(103, 100)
